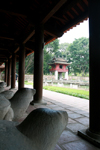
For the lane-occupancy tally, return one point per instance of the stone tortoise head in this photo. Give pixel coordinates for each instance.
(40, 130)
(23, 93)
(3, 84)
(44, 127)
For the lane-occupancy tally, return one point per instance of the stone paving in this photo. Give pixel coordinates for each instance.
(78, 112)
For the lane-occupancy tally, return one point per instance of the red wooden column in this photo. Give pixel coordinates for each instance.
(21, 66)
(38, 62)
(9, 72)
(6, 71)
(93, 133)
(13, 71)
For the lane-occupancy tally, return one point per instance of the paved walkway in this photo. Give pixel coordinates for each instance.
(78, 112)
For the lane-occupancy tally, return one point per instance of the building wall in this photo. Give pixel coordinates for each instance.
(57, 68)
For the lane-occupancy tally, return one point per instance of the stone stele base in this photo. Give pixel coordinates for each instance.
(90, 139)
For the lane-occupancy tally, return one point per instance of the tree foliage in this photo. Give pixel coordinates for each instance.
(49, 52)
(29, 64)
(78, 55)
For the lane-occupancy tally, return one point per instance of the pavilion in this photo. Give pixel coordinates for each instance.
(26, 26)
(59, 66)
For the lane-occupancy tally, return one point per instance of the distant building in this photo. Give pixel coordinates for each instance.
(59, 65)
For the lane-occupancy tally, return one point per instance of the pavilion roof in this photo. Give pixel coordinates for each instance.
(58, 61)
(18, 19)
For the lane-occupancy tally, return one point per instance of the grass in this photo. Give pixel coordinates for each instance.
(68, 91)
(28, 83)
(73, 92)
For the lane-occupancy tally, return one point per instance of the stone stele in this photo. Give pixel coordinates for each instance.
(39, 131)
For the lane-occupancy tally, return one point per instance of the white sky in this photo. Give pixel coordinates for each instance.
(79, 31)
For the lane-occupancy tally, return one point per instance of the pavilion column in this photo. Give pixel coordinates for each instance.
(66, 75)
(56, 75)
(6, 71)
(93, 133)
(13, 71)
(9, 72)
(21, 66)
(38, 62)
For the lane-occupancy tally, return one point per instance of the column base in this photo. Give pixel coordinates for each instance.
(38, 103)
(90, 137)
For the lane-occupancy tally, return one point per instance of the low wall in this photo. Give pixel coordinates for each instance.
(52, 77)
(78, 78)
(30, 77)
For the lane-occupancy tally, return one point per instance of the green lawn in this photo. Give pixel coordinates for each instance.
(73, 92)
(28, 83)
(68, 91)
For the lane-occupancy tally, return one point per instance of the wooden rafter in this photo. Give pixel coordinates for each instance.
(53, 11)
(52, 34)
(60, 19)
(3, 49)
(7, 38)
(13, 13)
(29, 36)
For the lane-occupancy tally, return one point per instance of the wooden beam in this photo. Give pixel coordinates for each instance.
(7, 38)
(60, 19)
(50, 33)
(29, 49)
(68, 7)
(53, 11)
(16, 50)
(13, 13)
(75, 21)
(3, 49)
(29, 36)
(53, 31)
(30, 45)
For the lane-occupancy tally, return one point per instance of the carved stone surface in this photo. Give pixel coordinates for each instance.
(3, 84)
(20, 101)
(4, 106)
(40, 130)
(9, 115)
(1, 89)
(7, 94)
(16, 107)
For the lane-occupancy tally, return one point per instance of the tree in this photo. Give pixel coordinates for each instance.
(49, 53)
(78, 54)
(62, 51)
(29, 64)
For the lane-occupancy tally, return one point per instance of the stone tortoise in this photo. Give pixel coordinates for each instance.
(16, 107)
(39, 131)
(7, 94)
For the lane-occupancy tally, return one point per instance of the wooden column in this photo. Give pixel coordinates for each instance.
(38, 62)
(9, 73)
(93, 133)
(6, 71)
(94, 26)
(21, 66)
(13, 71)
